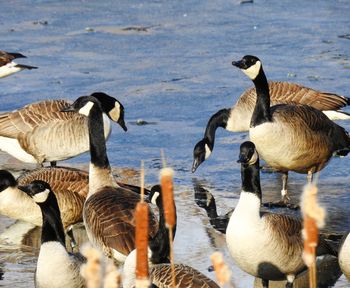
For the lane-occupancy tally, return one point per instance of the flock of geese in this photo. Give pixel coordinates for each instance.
(295, 134)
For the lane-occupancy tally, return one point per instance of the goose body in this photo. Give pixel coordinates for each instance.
(160, 269)
(69, 185)
(344, 256)
(237, 118)
(108, 211)
(8, 66)
(265, 245)
(296, 138)
(56, 268)
(40, 132)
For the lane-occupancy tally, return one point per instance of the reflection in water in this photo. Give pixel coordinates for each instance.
(20, 245)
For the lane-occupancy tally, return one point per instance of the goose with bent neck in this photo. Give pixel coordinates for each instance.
(108, 211)
(295, 138)
(237, 118)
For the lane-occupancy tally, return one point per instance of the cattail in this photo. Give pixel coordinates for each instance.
(141, 239)
(112, 277)
(91, 271)
(166, 182)
(313, 219)
(98, 270)
(222, 272)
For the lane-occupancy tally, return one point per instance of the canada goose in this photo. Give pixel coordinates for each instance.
(8, 66)
(160, 269)
(108, 211)
(237, 118)
(55, 267)
(69, 185)
(344, 256)
(295, 138)
(40, 133)
(265, 245)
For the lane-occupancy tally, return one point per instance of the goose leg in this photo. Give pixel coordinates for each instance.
(284, 202)
(309, 177)
(71, 236)
(284, 192)
(265, 283)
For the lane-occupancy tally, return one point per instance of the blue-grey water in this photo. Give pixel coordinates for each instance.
(169, 63)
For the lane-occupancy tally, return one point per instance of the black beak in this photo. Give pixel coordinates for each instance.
(70, 108)
(17, 55)
(238, 64)
(122, 124)
(242, 159)
(26, 189)
(195, 165)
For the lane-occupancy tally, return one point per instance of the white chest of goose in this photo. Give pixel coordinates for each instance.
(344, 256)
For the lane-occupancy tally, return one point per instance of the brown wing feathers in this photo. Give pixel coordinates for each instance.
(111, 211)
(291, 93)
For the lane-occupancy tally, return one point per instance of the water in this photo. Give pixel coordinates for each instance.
(175, 72)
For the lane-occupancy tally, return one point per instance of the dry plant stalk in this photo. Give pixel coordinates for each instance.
(166, 182)
(222, 272)
(313, 219)
(98, 270)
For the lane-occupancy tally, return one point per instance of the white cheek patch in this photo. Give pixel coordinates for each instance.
(207, 151)
(253, 71)
(154, 198)
(115, 112)
(85, 110)
(254, 158)
(42, 196)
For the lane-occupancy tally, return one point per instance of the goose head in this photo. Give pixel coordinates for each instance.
(84, 104)
(250, 65)
(248, 154)
(113, 108)
(201, 152)
(6, 180)
(39, 190)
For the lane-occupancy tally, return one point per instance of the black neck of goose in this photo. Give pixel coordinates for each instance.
(52, 229)
(219, 119)
(97, 140)
(251, 178)
(159, 244)
(261, 112)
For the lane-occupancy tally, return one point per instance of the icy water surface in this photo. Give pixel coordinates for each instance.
(169, 63)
